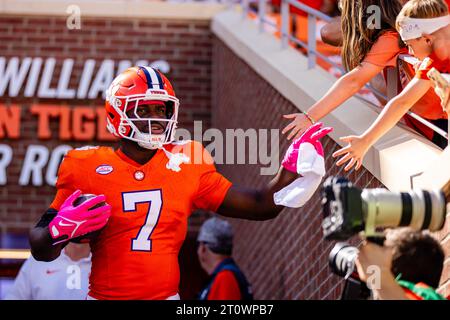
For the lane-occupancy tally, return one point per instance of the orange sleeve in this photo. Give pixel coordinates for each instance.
(225, 287)
(64, 183)
(384, 51)
(213, 187)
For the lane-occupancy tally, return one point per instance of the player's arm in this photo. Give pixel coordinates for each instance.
(253, 204)
(260, 204)
(41, 242)
(57, 228)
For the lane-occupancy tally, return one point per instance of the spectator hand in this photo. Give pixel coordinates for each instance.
(298, 125)
(72, 222)
(354, 151)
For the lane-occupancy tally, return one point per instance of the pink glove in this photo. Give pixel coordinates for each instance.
(312, 136)
(72, 222)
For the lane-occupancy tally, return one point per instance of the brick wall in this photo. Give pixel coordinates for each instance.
(284, 258)
(185, 45)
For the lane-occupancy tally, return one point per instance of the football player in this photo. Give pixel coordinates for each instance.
(147, 187)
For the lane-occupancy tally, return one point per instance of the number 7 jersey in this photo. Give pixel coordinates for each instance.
(136, 255)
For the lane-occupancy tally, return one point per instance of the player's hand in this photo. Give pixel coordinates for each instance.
(298, 125)
(354, 152)
(312, 135)
(74, 221)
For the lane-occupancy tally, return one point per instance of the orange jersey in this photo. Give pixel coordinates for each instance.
(136, 255)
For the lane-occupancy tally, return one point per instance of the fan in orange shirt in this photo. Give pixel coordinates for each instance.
(425, 28)
(151, 185)
(366, 52)
(384, 53)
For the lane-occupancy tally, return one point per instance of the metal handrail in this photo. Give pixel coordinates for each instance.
(313, 14)
(309, 10)
(313, 54)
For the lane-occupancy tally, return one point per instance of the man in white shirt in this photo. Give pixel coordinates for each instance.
(65, 278)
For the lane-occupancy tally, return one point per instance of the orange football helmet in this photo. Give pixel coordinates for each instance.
(135, 86)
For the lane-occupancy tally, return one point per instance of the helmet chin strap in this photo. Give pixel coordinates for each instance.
(175, 159)
(151, 145)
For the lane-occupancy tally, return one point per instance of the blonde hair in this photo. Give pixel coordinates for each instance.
(422, 9)
(358, 38)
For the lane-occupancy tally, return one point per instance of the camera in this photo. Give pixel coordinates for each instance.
(347, 210)
(341, 261)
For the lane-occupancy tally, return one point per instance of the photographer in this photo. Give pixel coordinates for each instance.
(410, 265)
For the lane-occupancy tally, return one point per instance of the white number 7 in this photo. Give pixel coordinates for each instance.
(142, 241)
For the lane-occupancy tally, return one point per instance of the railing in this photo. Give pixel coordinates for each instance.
(312, 25)
(313, 54)
(313, 15)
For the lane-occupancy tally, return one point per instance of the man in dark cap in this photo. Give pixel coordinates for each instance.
(226, 281)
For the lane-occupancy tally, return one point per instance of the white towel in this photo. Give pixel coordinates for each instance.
(311, 166)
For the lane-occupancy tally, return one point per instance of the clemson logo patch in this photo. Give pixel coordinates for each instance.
(104, 169)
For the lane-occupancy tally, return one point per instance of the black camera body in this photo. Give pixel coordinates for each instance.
(342, 209)
(348, 210)
(341, 261)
